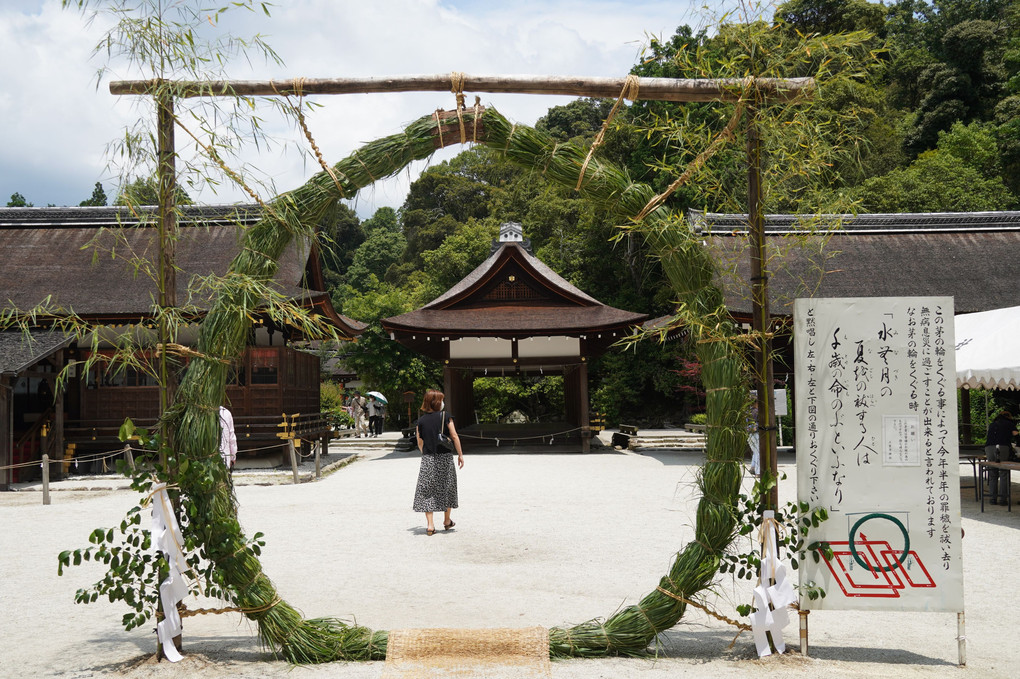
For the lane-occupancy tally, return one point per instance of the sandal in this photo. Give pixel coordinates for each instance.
(430, 531)
(448, 526)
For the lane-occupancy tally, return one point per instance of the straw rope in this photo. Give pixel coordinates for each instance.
(630, 91)
(718, 616)
(298, 85)
(724, 135)
(214, 154)
(457, 87)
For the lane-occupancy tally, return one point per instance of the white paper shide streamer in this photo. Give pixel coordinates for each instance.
(167, 538)
(773, 594)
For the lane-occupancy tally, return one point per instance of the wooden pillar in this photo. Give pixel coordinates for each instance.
(575, 399)
(760, 311)
(459, 390)
(570, 397)
(58, 427)
(582, 405)
(6, 431)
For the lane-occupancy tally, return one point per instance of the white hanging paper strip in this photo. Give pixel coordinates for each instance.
(166, 537)
(773, 594)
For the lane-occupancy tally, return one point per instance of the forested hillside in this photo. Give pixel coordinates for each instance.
(931, 106)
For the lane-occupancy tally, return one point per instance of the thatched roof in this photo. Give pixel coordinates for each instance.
(969, 256)
(19, 350)
(512, 294)
(83, 260)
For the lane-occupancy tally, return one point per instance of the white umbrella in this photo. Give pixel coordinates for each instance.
(378, 397)
(988, 350)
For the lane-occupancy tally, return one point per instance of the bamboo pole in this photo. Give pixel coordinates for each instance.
(659, 89)
(760, 321)
(166, 174)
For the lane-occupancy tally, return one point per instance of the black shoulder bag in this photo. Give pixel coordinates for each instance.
(444, 444)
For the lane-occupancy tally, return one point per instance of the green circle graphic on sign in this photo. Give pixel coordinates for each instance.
(898, 523)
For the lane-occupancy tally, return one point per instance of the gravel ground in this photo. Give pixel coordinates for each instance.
(541, 539)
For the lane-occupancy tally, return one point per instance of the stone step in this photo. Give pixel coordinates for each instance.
(638, 442)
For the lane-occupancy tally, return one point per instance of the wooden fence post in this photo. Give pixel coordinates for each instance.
(45, 479)
(318, 459)
(293, 459)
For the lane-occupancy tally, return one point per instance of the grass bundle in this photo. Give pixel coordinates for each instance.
(207, 495)
(211, 506)
(690, 271)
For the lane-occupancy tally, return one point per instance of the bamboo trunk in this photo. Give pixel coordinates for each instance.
(660, 89)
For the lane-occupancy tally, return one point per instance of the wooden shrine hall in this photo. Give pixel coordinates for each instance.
(91, 260)
(514, 316)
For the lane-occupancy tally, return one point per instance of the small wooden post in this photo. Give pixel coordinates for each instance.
(293, 459)
(318, 458)
(961, 639)
(129, 456)
(45, 479)
(803, 632)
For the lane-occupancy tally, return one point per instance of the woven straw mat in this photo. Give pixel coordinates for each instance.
(441, 653)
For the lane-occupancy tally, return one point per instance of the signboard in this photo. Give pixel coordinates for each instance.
(877, 447)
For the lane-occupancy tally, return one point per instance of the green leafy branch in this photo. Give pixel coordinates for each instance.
(795, 520)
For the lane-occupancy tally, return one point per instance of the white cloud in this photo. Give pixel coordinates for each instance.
(56, 124)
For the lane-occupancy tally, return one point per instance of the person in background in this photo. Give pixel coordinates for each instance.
(998, 447)
(373, 415)
(359, 408)
(228, 439)
(436, 490)
(380, 416)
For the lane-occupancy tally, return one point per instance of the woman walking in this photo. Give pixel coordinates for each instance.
(437, 478)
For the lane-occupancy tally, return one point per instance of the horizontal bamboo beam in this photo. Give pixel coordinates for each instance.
(660, 89)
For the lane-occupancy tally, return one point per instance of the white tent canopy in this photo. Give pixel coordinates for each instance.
(988, 349)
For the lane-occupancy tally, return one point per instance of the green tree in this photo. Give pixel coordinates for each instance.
(340, 234)
(581, 118)
(18, 200)
(1007, 134)
(374, 257)
(832, 16)
(145, 191)
(98, 198)
(383, 364)
(974, 145)
(936, 182)
(384, 219)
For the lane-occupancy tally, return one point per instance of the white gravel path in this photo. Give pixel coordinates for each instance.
(541, 539)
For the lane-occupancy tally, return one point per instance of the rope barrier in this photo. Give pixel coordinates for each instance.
(515, 439)
(89, 458)
(96, 457)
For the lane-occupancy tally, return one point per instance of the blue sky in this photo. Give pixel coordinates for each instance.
(56, 123)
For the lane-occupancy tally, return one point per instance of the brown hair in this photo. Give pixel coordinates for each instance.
(432, 401)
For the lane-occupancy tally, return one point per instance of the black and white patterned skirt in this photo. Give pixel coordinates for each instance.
(437, 484)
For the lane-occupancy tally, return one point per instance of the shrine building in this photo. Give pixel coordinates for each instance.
(514, 316)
